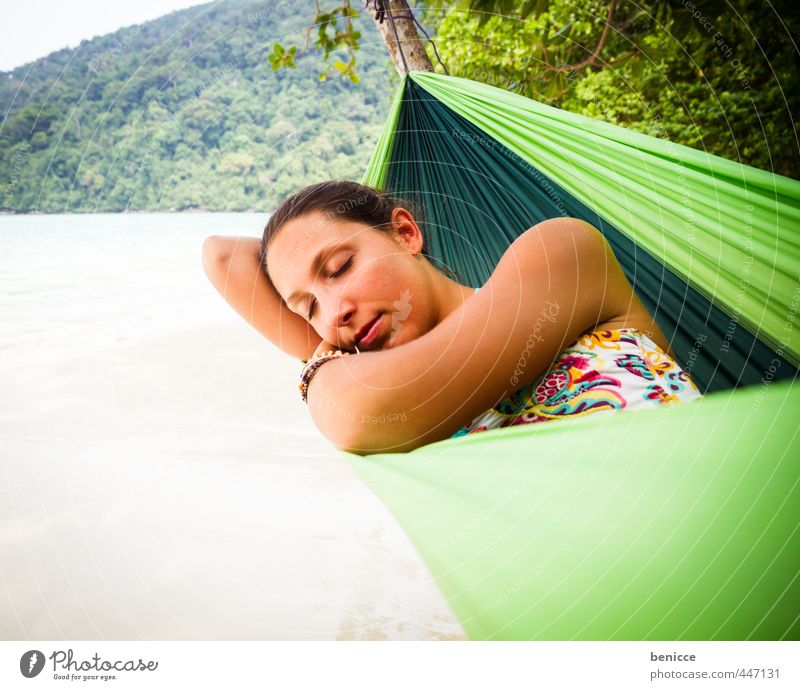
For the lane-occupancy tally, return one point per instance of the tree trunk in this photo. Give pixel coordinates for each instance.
(413, 50)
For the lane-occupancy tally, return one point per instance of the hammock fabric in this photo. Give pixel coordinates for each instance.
(673, 524)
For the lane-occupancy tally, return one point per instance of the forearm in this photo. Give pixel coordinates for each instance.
(420, 392)
(233, 267)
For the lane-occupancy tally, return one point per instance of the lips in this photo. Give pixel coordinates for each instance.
(367, 335)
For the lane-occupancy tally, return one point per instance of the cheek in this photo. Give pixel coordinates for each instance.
(399, 292)
(380, 280)
(392, 285)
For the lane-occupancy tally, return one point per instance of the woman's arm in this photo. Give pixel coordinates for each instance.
(232, 265)
(557, 280)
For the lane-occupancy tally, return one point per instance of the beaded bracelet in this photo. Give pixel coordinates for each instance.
(311, 368)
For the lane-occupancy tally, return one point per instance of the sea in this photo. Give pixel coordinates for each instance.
(74, 284)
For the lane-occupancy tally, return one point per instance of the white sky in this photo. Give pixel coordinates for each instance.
(36, 28)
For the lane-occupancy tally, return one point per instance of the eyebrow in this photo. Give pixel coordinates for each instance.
(316, 264)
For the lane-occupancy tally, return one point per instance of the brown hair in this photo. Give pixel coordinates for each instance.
(342, 200)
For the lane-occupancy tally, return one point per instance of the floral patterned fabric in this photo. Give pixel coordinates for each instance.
(604, 371)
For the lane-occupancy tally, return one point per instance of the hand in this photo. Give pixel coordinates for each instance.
(323, 347)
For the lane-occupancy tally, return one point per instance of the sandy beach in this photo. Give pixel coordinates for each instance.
(177, 489)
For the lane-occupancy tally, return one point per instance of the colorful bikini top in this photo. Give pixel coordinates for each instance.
(603, 371)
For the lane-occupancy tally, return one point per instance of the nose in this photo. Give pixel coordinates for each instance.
(337, 313)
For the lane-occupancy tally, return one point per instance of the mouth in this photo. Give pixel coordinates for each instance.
(369, 332)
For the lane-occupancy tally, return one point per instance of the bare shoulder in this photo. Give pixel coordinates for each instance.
(561, 237)
(620, 306)
(563, 250)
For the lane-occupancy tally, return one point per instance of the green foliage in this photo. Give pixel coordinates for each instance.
(723, 77)
(187, 112)
(342, 36)
(281, 57)
(488, 8)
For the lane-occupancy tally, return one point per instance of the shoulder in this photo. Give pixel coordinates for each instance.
(571, 261)
(561, 238)
(565, 253)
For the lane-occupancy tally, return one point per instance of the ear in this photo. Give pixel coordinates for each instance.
(406, 231)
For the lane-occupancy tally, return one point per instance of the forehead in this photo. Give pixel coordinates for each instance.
(291, 253)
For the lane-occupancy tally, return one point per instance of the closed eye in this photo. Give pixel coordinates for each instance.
(344, 267)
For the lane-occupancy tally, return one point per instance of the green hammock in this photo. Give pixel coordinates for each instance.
(677, 523)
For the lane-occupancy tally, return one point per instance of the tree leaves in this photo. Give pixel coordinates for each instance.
(689, 71)
(330, 37)
(281, 57)
(507, 8)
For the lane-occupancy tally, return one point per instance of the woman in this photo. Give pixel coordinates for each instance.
(556, 332)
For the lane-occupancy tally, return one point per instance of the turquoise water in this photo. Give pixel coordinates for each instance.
(73, 284)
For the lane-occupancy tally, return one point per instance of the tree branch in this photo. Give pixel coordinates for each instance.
(592, 59)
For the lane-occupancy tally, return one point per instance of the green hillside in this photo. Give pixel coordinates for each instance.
(185, 112)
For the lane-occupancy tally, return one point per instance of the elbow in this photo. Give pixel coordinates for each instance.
(366, 441)
(217, 259)
(346, 428)
(381, 433)
(216, 254)
(353, 448)
(337, 415)
(369, 444)
(357, 423)
(364, 419)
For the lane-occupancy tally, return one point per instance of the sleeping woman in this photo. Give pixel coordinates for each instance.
(399, 354)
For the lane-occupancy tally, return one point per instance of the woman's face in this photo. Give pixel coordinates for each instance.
(342, 276)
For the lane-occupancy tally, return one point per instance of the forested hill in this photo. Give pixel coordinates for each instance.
(185, 112)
